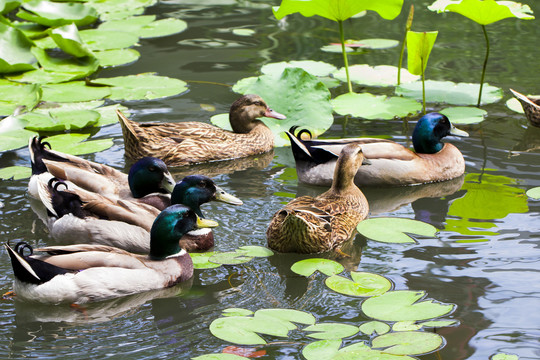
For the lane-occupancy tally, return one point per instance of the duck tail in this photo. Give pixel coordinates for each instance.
(299, 150)
(38, 152)
(30, 270)
(128, 131)
(57, 202)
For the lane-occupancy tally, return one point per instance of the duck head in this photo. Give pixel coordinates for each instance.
(245, 111)
(169, 227)
(349, 161)
(195, 190)
(150, 175)
(429, 131)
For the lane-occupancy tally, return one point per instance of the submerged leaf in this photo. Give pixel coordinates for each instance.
(236, 312)
(362, 284)
(394, 230)
(408, 342)
(219, 357)
(230, 258)
(369, 106)
(504, 356)
(307, 267)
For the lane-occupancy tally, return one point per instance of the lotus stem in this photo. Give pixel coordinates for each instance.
(423, 87)
(345, 60)
(484, 67)
(408, 26)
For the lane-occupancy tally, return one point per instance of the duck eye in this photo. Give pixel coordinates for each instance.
(152, 168)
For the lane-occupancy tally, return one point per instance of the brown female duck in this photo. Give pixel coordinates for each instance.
(323, 223)
(531, 107)
(186, 143)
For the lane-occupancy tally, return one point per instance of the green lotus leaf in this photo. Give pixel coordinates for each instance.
(230, 258)
(369, 106)
(338, 10)
(97, 39)
(14, 95)
(255, 251)
(67, 38)
(219, 357)
(31, 30)
(287, 316)
(8, 5)
(360, 351)
(15, 54)
(298, 95)
(402, 305)
(438, 323)
(451, 93)
(331, 331)
(15, 139)
(484, 12)
(131, 24)
(243, 32)
(419, 45)
(406, 326)
(236, 312)
(79, 67)
(408, 342)
(57, 14)
(307, 267)
(201, 260)
(45, 107)
(74, 144)
(117, 57)
(322, 349)
(74, 91)
(60, 120)
(163, 27)
(15, 172)
(336, 48)
(534, 193)
(514, 105)
(108, 114)
(381, 75)
(394, 230)
(45, 43)
(374, 327)
(142, 87)
(371, 43)
(315, 68)
(120, 9)
(243, 330)
(42, 76)
(464, 115)
(362, 284)
(503, 356)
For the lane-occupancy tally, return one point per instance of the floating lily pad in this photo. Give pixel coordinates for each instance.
(464, 115)
(45, 107)
(201, 260)
(60, 120)
(362, 284)
(236, 312)
(331, 331)
(382, 75)
(298, 95)
(404, 305)
(14, 95)
(8, 5)
(323, 349)
(514, 105)
(79, 67)
(97, 39)
(371, 43)
(408, 342)
(329, 349)
(74, 144)
(287, 316)
(15, 172)
(117, 57)
(108, 114)
(336, 48)
(503, 356)
(534, 193)
(307, 267)
(130, 24)
(15, 139)
(243, 32)
(163, 27)
(438, 323)
(67, 38)
(74, 91)
(219, 357)
(57, 14)
(15, 54)
(394, 230)
(230, 258)
(369, 106)
(374, 327)
(315, 68)
(243, 330)
(120, 9)
(42, 76)
(406, 326)
(255, 251)
(450, 92)
(142, 87)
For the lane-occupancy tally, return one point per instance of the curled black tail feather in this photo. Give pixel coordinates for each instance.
(38, 152)
(64, 202)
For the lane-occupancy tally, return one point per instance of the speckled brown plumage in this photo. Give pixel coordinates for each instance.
(531, 107)
(186, 143)
(323, 223)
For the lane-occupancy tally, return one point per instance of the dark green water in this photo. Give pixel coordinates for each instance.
(488, 266)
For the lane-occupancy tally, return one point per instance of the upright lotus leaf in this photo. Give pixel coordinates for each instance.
(419, 45)
(484, 12)
(78, 67)
(339, 11)
(402, 305)
(302, 97)
(15, 54)
(57, 14)
(8, 5)
(142, 86)
(408, 26)
(408, 342)
(13, 95)
(67, 38)
(15, 173)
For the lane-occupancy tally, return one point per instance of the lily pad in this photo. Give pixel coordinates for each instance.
(371, 43)
(331, 331)
(438, 323)
(394, 230)
(381, 75)
(287, 316)
(57, 14)
(8, 5)
(15, 172)
(315, 68)
(406, 326)
(255, 251)
(322, 349)
(230, 258)
(243, 32)
(534, 193)
(201, 260)
(404, 305)
(450, 92)
(108, 114)
(369, 106)
(15, 139)
(130, 24)
(67, 38)
(514, 105)
(74, 91)
(219, 357)
(236, 312)
(97, 39)
(374, 327)
(503, 356)
(307, 267)
(464, 115)
(120, 9)
(142, 87)
(298, 95)
(117, 57)
(60, 120)
(163, 27)
(408, 342)
(14, 95)
(15, 54)
(74, 144)
(78, 67)
(362, 284)
(42, 76)
(243, 330)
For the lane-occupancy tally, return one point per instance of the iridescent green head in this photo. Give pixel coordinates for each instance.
(429, 131)
(150, 175)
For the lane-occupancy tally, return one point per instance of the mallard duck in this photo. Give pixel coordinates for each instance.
(317, 224)
(531, 107)
(148, 181)
(85, 217)
(84, 273)
(185, 143)
(391, 163)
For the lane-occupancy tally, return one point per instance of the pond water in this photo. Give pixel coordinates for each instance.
(485, 258)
